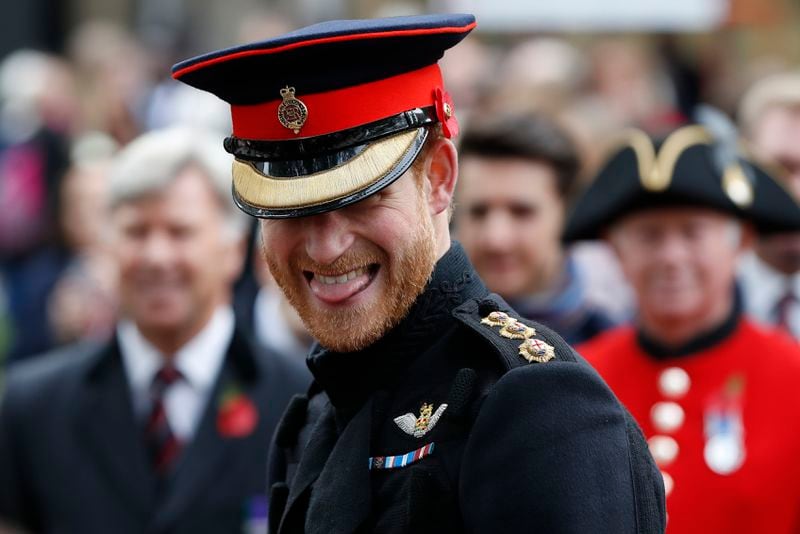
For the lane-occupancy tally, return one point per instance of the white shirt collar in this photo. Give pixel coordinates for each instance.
(199, 360)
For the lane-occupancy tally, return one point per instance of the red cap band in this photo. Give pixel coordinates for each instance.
(340, 109)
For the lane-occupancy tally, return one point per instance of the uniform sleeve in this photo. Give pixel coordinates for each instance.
(550, 452)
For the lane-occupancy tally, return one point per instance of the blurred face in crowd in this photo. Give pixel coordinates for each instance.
(509, 218)
(353, 273)
(84, 205)
(776, 139)
(177, 258)
(681, 264)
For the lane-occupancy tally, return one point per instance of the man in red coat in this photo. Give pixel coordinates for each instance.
(717, 397)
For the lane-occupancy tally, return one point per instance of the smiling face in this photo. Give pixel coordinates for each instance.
(353, 273)
(509, 220)
(681, 263)
(176, 259)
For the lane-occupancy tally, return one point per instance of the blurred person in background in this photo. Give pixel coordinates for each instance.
(113, 91)
(164, 428)
(770, 277)
(715, 394)
(36, 118)
(516, 176)
(82, 304)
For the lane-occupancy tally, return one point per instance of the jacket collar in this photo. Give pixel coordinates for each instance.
(349, 378)
(704, 341)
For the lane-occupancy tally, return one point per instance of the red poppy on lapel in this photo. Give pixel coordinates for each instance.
(237, 415)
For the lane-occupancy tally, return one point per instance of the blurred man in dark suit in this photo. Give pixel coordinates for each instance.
(166, 427)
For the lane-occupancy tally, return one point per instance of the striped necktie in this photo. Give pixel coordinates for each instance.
(163, 447)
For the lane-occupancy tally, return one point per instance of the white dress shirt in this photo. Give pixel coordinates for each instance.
(762, 289)
(199, 362)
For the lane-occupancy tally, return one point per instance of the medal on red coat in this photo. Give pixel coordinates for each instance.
(724, 450)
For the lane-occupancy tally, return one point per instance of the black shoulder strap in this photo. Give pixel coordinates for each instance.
(474, 314)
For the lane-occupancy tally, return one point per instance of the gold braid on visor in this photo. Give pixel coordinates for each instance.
(380, 163)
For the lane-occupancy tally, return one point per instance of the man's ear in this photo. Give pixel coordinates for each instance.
(441, 173)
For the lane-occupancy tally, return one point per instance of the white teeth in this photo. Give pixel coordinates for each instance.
(341, 279)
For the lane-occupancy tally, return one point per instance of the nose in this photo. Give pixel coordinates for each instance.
(672, 249)
(328, 236)
(497, 232)
(156, 250)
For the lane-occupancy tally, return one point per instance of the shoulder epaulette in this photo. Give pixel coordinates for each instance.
(518, 341)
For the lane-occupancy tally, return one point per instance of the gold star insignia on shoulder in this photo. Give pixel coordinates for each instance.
(533, 350)
(536, 350)
(497, 318)
(517, 330)
(419, 426)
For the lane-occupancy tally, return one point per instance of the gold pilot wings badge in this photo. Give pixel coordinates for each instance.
(419, 426)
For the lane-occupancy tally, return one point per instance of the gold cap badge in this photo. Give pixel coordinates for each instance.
(292, 112)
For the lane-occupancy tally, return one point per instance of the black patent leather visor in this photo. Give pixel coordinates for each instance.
(273, 189)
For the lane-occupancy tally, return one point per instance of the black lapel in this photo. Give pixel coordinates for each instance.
(209, 453)
(341, 498)
(320, 444)
(106, 423)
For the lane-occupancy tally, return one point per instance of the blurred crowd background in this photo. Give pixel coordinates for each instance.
(80, 79)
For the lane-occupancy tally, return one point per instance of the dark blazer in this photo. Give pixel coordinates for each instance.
(72, 458)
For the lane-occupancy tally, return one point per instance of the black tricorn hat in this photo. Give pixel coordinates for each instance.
(329, 114)
(687, 168)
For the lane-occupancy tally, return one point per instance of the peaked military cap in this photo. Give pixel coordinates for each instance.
(687, 168)
(329, 114)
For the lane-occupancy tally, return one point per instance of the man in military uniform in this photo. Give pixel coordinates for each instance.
(715, 394)
(433, 408)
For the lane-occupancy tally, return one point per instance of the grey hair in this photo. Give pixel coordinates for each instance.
(152, 162)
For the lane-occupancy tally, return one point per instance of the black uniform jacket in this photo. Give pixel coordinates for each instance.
(520, 447)
(72, 454)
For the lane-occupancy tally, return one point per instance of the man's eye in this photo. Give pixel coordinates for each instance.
(522, 211)
(181, 232)
(478, 212)
(135, 232)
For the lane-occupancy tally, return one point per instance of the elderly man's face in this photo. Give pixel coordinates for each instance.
(680, 262)
(775, 139)
(353, 273)
(509, 219)
(176, 257)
